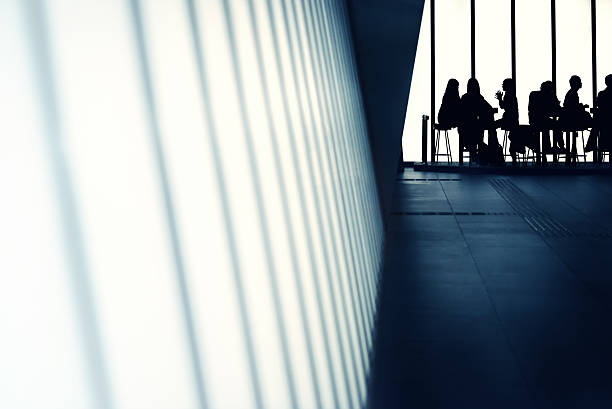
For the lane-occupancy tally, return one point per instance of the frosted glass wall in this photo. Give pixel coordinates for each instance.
(189, 212)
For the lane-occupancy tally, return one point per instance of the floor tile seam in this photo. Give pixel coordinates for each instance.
(531, 393)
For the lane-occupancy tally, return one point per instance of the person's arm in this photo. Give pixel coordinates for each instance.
(500, 97)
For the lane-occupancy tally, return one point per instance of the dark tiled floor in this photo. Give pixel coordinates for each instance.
(480, 310)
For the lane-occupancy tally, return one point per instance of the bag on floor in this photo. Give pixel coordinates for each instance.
(491, 154)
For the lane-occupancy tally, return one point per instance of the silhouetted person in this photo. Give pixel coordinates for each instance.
(476, 116)
(604, 115)
(448, 116)
(574, 117)
(508, 102)
(544, 109)
(510, 118)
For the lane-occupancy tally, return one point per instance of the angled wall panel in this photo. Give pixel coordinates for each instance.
(385, 35)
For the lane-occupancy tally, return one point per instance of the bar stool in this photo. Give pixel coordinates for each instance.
(571, 153)
(448, 154)
(529, 154)
(465, 155)
(506, 144)
(524, 133)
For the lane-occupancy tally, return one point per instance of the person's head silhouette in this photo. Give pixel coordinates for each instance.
(508, 86)
(575, 82)
(609, 80)
(452, 87)
(547, 87)
(473, 87)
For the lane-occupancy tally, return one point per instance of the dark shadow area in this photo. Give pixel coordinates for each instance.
(497, 293)
(385, 36)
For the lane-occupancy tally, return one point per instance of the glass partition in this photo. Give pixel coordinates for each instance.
(533, 50)
(574, 47)
(453, 59)
(604, 34)
(493, 48)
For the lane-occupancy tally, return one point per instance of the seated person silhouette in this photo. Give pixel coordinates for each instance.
(602, 121)
(448, 115)
(476, 116)
(508, 102)
(544, 109)
(574, 116)
(604, 115)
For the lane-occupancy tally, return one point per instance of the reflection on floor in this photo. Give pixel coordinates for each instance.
(497, 293)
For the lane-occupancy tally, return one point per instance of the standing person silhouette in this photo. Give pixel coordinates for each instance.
(476, 116)
(448, 115)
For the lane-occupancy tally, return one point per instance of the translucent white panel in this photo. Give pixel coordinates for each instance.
(343, 262)
(308, 143)
(533, 50)
(243, 194)
(279, 184)
(285, 101)
(359, 163)
(419, 100)
(247, 172)
(199, 216)
(346, 197)
(604, 33)
(117, 183)
(348, 148)
(324, 164)
(42, 358)
(574, 47)
(453, 53)
(453, 56)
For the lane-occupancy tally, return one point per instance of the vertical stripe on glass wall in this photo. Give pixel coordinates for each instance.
(190, 215)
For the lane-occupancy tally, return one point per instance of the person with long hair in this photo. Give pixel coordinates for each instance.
(449, 114)
(476, 117)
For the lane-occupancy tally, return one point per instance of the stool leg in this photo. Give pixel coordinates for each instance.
(448, 148)
(568, 147)
(437, 143)
(574, 147)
